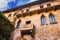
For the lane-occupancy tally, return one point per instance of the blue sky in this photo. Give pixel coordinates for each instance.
(8, 4)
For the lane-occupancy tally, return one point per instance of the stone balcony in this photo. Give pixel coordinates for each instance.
(26, 27)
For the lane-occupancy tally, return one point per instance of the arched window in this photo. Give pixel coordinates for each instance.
(27, 10)
(14, 14)
(43, 19)
(18, 24)
(52, 19)
(9, 15)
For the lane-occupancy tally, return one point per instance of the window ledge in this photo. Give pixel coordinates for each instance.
(54, 23)
(43, 24)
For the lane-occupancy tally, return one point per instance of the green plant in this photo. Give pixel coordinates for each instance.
(6, 27)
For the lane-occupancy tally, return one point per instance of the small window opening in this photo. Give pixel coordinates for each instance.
(28, 22)
(9, 15)
(14, 14)
(41, 6)
(48, 4)
(27, 10)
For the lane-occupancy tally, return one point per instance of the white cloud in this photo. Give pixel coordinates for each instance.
(11, 0)
(4, 3)
(32, 0)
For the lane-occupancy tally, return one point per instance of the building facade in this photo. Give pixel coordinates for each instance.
(36, 21)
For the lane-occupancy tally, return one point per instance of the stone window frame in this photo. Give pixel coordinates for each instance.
(18, 23)
(41, 6)
(27, 10)
(9, 15)
(48, 4)
(42, 19)
(54, 19)
(14, 14)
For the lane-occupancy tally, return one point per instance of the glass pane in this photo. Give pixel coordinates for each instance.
(18, 24)
(52, 20)
(43, 20)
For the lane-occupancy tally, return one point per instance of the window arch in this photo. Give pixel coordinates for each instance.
(52, 19)
(43, 20)
(18, 24)
(9, 15)
(14, 14)
(27, 10)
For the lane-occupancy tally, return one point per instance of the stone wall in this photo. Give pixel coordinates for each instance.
(42, 32)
